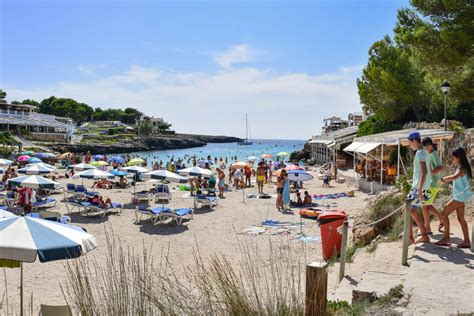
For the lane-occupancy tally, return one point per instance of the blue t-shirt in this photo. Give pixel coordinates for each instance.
(421, 156)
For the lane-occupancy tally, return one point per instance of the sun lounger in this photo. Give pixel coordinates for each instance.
(162, 192)
(51, 216)
(153, 213)
(71, 203)
(204, 200)
(43, 203)
(178, 214)
(92, 208)
(143, 196)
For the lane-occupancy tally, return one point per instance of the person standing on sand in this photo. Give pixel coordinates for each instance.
(221, 182)
(260, 177)
(280, 186)
(248, 174)
(461, 194)
(421, 182)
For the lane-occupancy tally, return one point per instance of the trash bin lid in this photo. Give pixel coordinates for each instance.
(332, 216)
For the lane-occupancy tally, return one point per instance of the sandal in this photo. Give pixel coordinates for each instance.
(442, 243)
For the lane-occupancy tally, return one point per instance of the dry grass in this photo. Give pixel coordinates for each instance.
(134, 284)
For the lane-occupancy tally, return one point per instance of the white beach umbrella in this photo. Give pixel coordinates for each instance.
(251, 158)
(35, 169)
(195, 171)
(2, 170)
(5, 162)
(34, 182)
(165, 175)
(135, 169)
(24, 239)
(94, 174)
(42, 164)
(81, 166)
(5, 213)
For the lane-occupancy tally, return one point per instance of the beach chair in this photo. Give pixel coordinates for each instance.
(71, 203)
(162, 192)
(143, 196)
(43, 203)
(59, 310)
(178, 214)
(70, 189)
(93, 208)
(204, 200)
(153, 213)
(51, 216)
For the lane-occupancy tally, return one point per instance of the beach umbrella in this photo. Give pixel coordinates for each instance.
(238, 165)
(94, 174)
(282, 154)
(27, 152)
(293, 167)
(251, 158)
(66, 155)
(5, 162)
(119, 173)
(81, 166)
(195, 171)
(135, 169)
(203, 162)
(299, 175)
(34, 182)
(5, 214)
(266, 156)
(44, 155)
(136, 161)
(23, 158)
(165, 175)
(35, 169)
(99, 163)
(24, 239)
(34, 160)
(42, 164)
(117, 159)
(2, 170)
(98, 157)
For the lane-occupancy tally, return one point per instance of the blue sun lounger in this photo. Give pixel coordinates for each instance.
(153, 213)
(178, 214)
(204, 200)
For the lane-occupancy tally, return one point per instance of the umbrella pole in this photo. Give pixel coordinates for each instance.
(21, 288)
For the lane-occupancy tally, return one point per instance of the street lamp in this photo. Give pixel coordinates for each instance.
(445, 87)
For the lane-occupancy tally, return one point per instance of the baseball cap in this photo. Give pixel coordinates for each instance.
(414, 136)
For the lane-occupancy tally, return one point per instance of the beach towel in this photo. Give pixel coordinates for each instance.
(254, 230)
(329, 196)
(307, 238)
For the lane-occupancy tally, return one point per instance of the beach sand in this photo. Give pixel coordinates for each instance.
(213, 231)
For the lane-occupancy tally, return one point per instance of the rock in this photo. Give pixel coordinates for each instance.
(363, 237)
(360, 296)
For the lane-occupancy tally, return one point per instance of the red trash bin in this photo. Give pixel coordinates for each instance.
(330, 239)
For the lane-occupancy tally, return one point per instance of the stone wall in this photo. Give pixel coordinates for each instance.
(466, 141)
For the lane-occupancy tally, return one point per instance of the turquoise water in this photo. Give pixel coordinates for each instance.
(259, 147)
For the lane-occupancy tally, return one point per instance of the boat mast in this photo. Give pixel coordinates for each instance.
(246, 128)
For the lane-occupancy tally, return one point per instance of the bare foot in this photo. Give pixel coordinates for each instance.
(464, 245)
(443, 243)
(423, 238)
(411, 241)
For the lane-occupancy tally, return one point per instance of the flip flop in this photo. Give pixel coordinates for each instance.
(463, 246)
(442, 244)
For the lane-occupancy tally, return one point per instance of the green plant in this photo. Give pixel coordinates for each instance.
(457, 127)
(403, 184)
(396, 229)
(350, 251)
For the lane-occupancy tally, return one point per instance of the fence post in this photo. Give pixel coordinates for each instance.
(316, 288)
(406, 228)
(342, 265)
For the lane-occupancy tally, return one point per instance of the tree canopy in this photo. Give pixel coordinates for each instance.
(433, 42)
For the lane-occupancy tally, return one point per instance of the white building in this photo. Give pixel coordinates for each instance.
(155, 123)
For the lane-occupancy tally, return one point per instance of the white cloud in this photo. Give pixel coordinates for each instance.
(235, 54)
(290, 105)
(90, 69)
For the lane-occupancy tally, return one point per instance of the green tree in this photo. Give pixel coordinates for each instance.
(15, 102)
(79, 112)
(391, 86)
(131, 116)
(164, 126)
(375, 125)
(145, 127)
(3, 96)
(30, 102)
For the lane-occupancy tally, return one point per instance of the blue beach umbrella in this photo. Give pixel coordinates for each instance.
(44, 155)
(24, 239)
(34, 160)
(117, 159)
(98, 157)
(119, 173)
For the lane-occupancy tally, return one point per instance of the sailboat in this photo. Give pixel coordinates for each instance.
(247, 132)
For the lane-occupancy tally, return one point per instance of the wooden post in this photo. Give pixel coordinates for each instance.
(316, 288)
(406, 228)
(21, 289)
(342, 265)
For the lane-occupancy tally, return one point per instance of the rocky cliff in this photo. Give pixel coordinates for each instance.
(144, 143)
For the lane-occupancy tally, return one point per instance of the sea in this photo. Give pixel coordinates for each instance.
(258, 148)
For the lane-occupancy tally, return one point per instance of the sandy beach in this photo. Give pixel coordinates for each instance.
(217, 231)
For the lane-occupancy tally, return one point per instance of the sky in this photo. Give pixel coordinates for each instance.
(201, 65)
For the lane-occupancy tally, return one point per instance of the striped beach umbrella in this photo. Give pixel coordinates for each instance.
(24, 239)
(135, 169)
(34, 182)
(94, 174)
(165, 175)
(35, 169)
(5, 213)
(81, 166)
(5, 162)
(42, 164)
(195, 171)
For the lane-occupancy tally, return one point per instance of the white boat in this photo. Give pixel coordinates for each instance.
(247, 132)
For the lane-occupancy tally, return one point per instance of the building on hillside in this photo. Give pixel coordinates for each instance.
(22, 119)
(327, 147)
(356, 118)
(334, 123)
(155, 123)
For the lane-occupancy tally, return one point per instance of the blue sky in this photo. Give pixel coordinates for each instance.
(290, 62)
